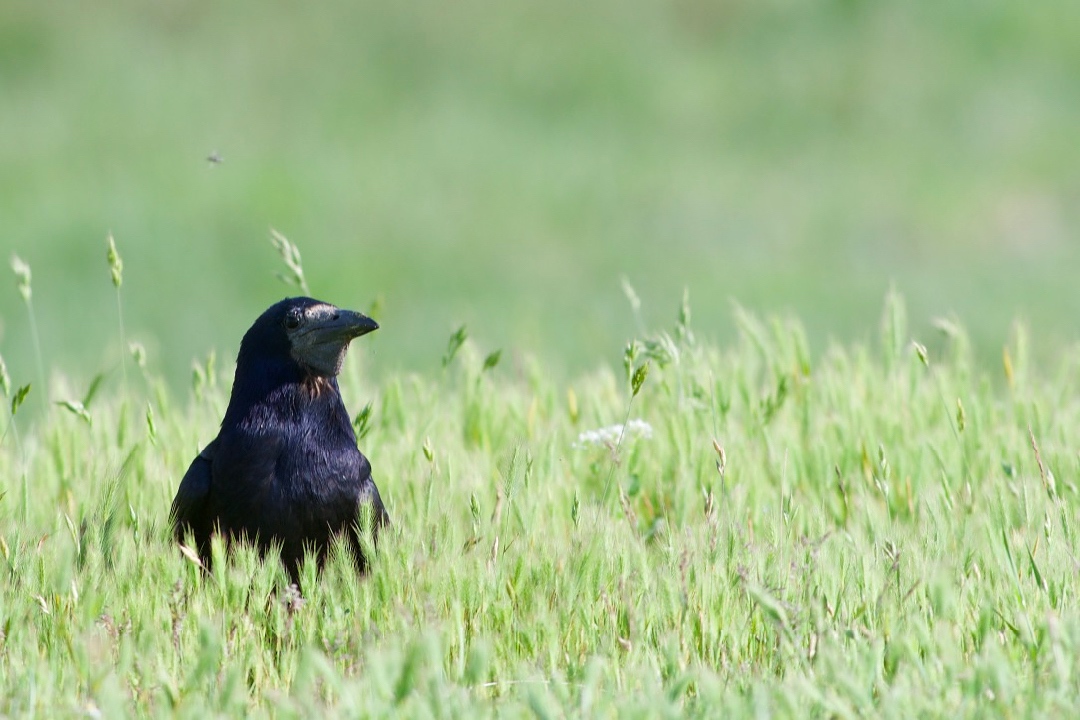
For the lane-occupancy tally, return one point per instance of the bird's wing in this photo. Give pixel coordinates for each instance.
(369, 495)
(189, 508)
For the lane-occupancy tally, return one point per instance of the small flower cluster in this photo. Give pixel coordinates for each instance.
(609, 436)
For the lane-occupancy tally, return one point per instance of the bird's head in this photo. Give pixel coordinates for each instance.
(309, 335)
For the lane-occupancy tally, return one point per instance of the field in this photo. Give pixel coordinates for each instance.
(876, 531)
(846, 488)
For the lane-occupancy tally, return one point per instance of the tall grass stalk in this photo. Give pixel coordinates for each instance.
(116, 274)
(22, 281)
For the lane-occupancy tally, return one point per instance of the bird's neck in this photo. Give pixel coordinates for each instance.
(283, 396)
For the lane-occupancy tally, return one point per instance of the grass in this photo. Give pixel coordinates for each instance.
(819, 523)
(869, 531)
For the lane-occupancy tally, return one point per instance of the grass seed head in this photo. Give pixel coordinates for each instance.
(116, 263)
(5, 379)
(22, 277)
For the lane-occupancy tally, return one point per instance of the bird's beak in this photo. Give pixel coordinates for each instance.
(341, 326)
(351, 324)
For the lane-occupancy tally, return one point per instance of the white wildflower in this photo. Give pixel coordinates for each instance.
(609, 436)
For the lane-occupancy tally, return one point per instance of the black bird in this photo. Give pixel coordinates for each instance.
(284, 467)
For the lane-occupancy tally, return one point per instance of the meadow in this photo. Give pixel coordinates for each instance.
(817, 497)
(699, 531)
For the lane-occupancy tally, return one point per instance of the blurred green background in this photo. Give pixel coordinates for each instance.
(505, 164)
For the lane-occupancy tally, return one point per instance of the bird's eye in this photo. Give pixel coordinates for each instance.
(292, 321)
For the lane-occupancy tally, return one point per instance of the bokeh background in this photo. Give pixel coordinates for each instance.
(503, 165)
